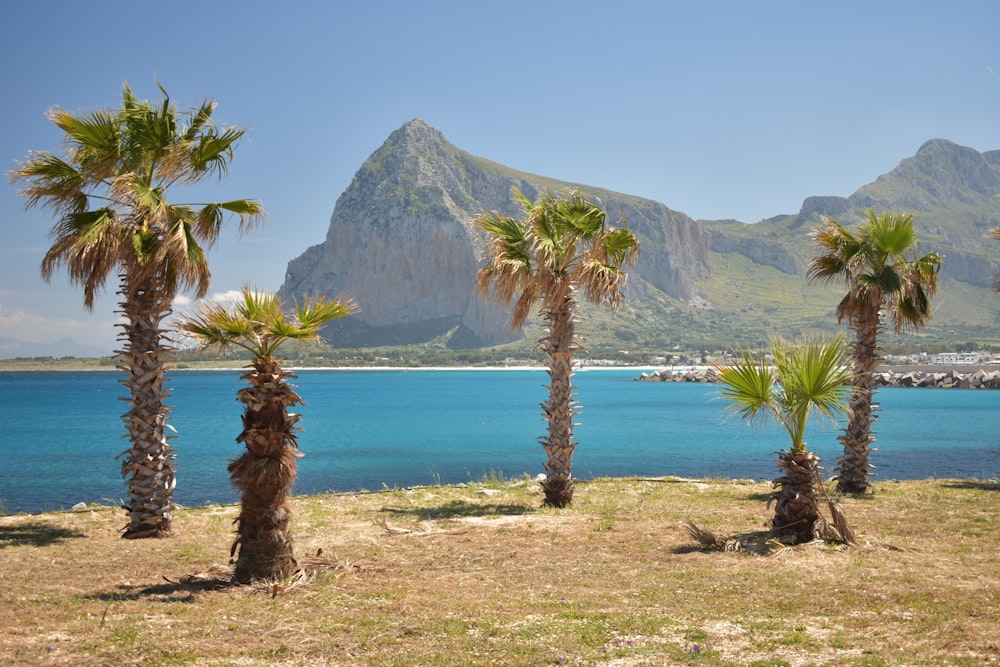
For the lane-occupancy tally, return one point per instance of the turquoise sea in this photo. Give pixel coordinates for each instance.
(364, 429)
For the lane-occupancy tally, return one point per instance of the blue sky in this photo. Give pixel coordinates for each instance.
(717, 109)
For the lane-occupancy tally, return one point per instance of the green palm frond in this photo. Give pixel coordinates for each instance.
(809, 378)
(94, 140)
(199, 119)
(621, 248)
(256, 322)
(889, 234)
(313, 314)
(749, 386)
(147, 199)
(213, 151)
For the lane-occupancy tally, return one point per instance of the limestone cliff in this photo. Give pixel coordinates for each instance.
(402, 244)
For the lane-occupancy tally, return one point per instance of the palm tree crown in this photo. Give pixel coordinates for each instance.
(257, 323)
(873, 263)
(806, 379)
(110, 190)
(561, 243)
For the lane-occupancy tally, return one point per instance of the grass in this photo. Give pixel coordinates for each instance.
(481, 575)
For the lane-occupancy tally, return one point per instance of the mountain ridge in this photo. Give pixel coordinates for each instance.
(401, 243)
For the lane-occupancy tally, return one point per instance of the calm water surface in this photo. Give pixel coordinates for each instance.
(364, 429)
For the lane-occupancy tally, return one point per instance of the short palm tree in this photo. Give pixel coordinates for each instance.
(807, 378)
(109, 192)
(265, 473)
(885, 279)
(562, 245)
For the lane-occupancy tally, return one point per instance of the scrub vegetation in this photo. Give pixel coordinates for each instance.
(483, 574)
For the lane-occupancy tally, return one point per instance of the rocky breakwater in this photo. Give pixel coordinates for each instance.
(908, 376)
(973, 378)
(683, 374)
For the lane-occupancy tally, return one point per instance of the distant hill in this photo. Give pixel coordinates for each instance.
(401, 243)
(12, 348)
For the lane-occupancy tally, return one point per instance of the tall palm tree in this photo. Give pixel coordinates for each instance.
(885, 280)
(265, 472)
(561, 245)
(808, 378)
(109, 192)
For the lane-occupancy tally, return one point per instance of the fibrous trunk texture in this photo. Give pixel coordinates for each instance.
(853, 466)
(265, 474)
(560, 409)
(796, 508)
(148, 464)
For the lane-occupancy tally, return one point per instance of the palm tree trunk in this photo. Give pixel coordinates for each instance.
(796, 509)
(560, 409)
(853, 466)
(148, 466)
(265, 474)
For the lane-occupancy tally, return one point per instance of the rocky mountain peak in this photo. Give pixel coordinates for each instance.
(402, 244)
(940, 174)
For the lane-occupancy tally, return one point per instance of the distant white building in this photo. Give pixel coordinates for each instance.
(958, 358)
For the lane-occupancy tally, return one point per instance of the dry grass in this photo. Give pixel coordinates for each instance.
(478, 575)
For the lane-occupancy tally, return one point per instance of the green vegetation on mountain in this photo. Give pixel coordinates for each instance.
(402, 244)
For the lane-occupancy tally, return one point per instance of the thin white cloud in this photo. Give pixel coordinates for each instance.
(35, 327)
(229, 296)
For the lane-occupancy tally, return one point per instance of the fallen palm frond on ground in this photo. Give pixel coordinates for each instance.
(494, 579)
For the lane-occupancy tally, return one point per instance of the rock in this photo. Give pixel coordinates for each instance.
(401, 243)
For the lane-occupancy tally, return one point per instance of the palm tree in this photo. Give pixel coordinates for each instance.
(878, 264)
(560, 246)
(807, 378)
(109, 192)
(265, 472)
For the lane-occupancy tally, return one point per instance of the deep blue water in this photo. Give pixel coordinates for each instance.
(60, 432)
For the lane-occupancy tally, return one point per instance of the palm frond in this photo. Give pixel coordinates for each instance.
(749, 386)
(257, 323)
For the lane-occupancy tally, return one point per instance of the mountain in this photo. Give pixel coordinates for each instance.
(402, 244)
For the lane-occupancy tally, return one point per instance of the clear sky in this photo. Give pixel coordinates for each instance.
(718, 109)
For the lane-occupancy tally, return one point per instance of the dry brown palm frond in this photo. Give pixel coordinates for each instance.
(759, 543)
(839, 530)
(409, 532)
(216, 576)
(277, 586)
(394, 530)
(703, 536)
